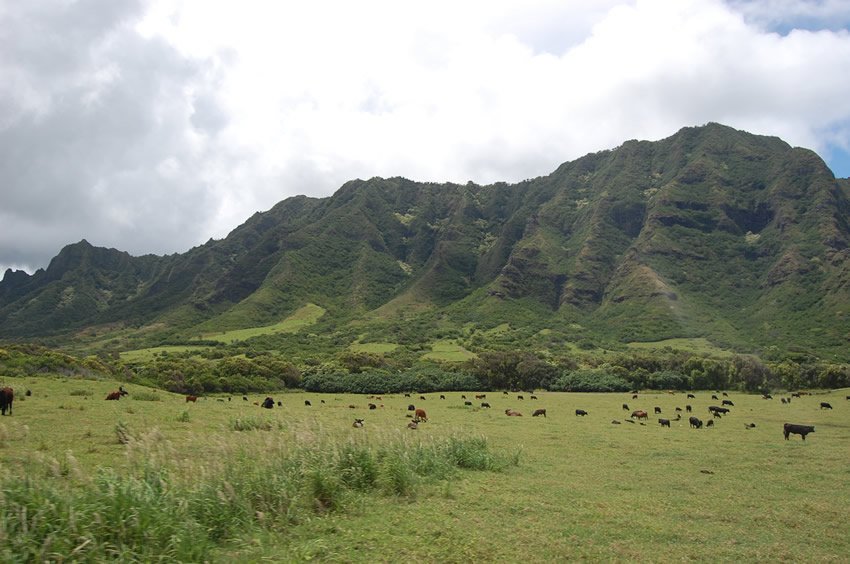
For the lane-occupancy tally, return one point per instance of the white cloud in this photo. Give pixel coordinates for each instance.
(152, 127)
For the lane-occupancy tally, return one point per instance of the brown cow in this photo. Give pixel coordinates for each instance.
(192, 399)
(640, 414)
(419, 415)
(539, 412)
(511, 413)
(358, 423)
(114, 396)
(7, 395)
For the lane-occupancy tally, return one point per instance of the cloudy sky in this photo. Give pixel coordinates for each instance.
(152, 126)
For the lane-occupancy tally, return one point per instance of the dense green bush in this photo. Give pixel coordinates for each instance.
(589, 381)
(422, 380)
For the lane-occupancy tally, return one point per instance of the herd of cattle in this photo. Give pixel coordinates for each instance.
(419, 415)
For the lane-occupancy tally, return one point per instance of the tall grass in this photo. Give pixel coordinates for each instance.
(169, 506)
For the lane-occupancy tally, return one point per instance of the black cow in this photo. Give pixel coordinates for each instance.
(678, 409)
(783, 400)
(411, 407)
(691, 396)
(268, 403)
(721, 410)
(802, 430)
(657, 410)
(543, 412)
(625, 407)
(767, 396)
(280, 403)
(7, 396)
(520, 398)
(710, 423)
(373, 406)
(725, 395)
(467, 402)
(750, 425)
(442, 396)
(825, 405)
(580, 412)
(533, 397)
(714, 397)
(28, 393)
(307, 403)
(727, 402)
(485, 404)
(664, 422)
(688, 408)
(695, 422)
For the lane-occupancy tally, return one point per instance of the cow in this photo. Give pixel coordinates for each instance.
(749, 425)
(534, 397)
(543, 412)
(664, 422)
(678, 417)
(783, 400)
(462, 397)
(422, 398)
(688, 408)
(373, 406)
(505, 392)
(442, 396)
(358, 423)
(244, 398)
(795, 395)
(847, 397)
(467, 402)
(411, 407)
(678, 408)
(695, 422)
(626, 407)
(480, 396)
(419, 415)
(511, 413)
(725, 395)
(766, 396)
(714, 396)
(412, 425)
(485, 404)
(7, 396)
(520, 398)
(268, 403)
(307, 403)
(691, 396)
(802, 430)
(634, 396)
(580, 412)
(727, 402)
(614, 422)
(192, 399)
(28, 393)
(657, 410)
(718, 410)
(407, 395)
(710, 423)
(113, 396)
(640, 414)
(825, 405)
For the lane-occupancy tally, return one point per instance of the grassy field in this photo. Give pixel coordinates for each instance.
(140, 355)
(697, 345)
(374, 348)
(583, 488)
(448, 351)
(303, 317)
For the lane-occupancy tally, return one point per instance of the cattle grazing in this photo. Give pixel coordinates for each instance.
(640, 414)
(442, 396)
(766, 396)
(749, 425)
(678, 417)
(543, 412)
(710, 423)
(412, 425)
(802, 430)
(783, 400)
(373, 406)
(520, 398)
(485, 404)
(688, 408)
(28, 393)
(480, 396)
(192, 399)
(322, 401)
(718, 411)
(407, 395)
(268, 403)
(657, 410)
(580, 412)
(678, 409)
(615, 422)
(114, 396)
(7, 396)
(691, 396)
(714, 396)
(725, 395)
(847, 397)
(462, 397)
(695, 422)
(244, 398)
(795, 395)
(727, 402)
(422, 397)
(307, 403)
(626, 407)
(664, 422)
(511, 413)
(411, 407)
(533, 397)
(419, 415)
(358, 423)
(634, 396)
(467, 402)
(279, 403)
(825, 405)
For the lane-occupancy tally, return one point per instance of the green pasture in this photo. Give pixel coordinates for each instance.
(584, 488)
(697, 345)
(143, 355)
(373, 348)
(301, 318)
(448, 351)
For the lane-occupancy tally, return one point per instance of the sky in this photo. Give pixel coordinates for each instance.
(153, 126)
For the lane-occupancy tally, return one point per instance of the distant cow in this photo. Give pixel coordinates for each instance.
(691, 396)
(411, 407)
(825, 405)
(511, 413)
(767, 396)
(710, 423)
(657, 410)
(485, 404)
(640, 414)
(714, 396)
(543, 412)
(422, 397)
(268, 403)
(718, 410)
(28, 393)
(442, 396)
(7, 396)
(783, 400)
(192, 399)
(749, 425)
(467, 402)
(520, 398)
(357, 423)
(795, 395)
(664, 422)
(244, 398)
(533, 397)
(615, 422)
(727, 402)
(695, 422)
(412, 425)
(678, 409)
(802, 430)
(407, 395)
(373, 406)
(114, 396)
(688, 408)
(480, 396)
(725, 395)
(419, 415)
(626, 407)
(634, 396)
(307, 403)
(578, 412)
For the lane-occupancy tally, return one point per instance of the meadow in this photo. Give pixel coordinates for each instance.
(298, 482)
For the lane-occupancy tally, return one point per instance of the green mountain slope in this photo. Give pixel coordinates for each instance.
(712, 233)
